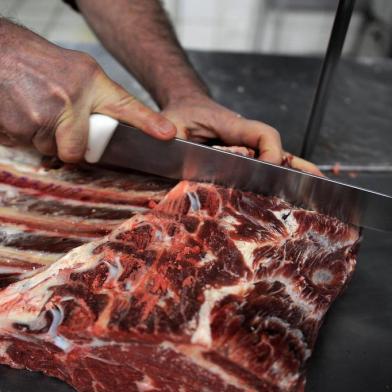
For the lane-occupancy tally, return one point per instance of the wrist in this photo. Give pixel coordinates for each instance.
(178, 84)
(184, 94)
(187, 96)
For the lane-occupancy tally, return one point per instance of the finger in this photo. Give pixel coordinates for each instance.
(44, 141)
(114, 101)
(305, 166)
(256, 135)
(5, 140)
(71, 138)
(200, 133)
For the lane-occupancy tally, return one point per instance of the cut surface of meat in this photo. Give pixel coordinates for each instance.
(212, 290)
(244, 151)
(48, 208)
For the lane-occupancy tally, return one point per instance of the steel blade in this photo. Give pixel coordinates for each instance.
(180, 159)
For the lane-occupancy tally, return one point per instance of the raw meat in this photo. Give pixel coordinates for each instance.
(244, 151)
(212, 290)
(48, 208)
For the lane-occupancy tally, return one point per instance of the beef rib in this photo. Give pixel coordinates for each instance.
(47, 208)
(213, 290)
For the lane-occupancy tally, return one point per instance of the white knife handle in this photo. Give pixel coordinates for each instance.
(101, 130)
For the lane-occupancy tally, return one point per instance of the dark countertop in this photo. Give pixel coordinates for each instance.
(279, 91)
(354, 349)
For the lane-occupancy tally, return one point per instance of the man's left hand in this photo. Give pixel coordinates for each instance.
(199, 118)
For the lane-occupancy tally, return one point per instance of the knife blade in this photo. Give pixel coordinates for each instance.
(180, 159)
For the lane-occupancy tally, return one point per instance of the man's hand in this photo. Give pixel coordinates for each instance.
(47, 94)
(140, 36)
(199, 118)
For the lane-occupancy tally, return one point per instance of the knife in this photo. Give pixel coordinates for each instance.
(114, 143)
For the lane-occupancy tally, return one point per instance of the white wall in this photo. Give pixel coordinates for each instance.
(259, 25)
(234, 25)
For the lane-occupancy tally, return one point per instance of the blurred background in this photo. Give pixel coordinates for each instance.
(299, 27)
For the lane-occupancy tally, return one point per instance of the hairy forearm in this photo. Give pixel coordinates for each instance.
(139, 34)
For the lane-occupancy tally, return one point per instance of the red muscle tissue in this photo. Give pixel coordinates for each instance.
(213, 289)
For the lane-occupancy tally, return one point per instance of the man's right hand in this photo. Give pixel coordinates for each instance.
(47, 94)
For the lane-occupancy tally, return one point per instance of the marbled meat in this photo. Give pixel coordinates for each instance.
(212, 290)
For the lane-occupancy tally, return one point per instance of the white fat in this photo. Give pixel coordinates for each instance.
(29, 256)
(322, 276)
(229, 222)
(36, 291)
(11, 231)
(202, 335)
(247, 248)
(294, 293)
(231, 219)
(9, 192)
(145, 385)
(38, 323)
(285, 380)
(115, 270)
(207, 258)
(98, 343)
(23, 159)
(95, 205)
(194, 200)
(163, 298)
(324, 241)
(290, 222)
(10, 270)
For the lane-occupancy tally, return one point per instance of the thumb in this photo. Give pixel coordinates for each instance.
(111, 99)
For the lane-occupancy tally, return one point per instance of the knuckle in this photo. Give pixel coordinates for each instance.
(127, 105)
(154, 118)
(60, 95)
(88, 64)
(127, 101)
(272, 131)
(83, 67)
(36, 118)
(83, 59)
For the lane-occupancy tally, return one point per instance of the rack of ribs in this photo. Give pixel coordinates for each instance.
(211, 289)
(47, 208)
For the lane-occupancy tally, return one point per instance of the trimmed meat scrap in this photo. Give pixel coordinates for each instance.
(213, 290)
